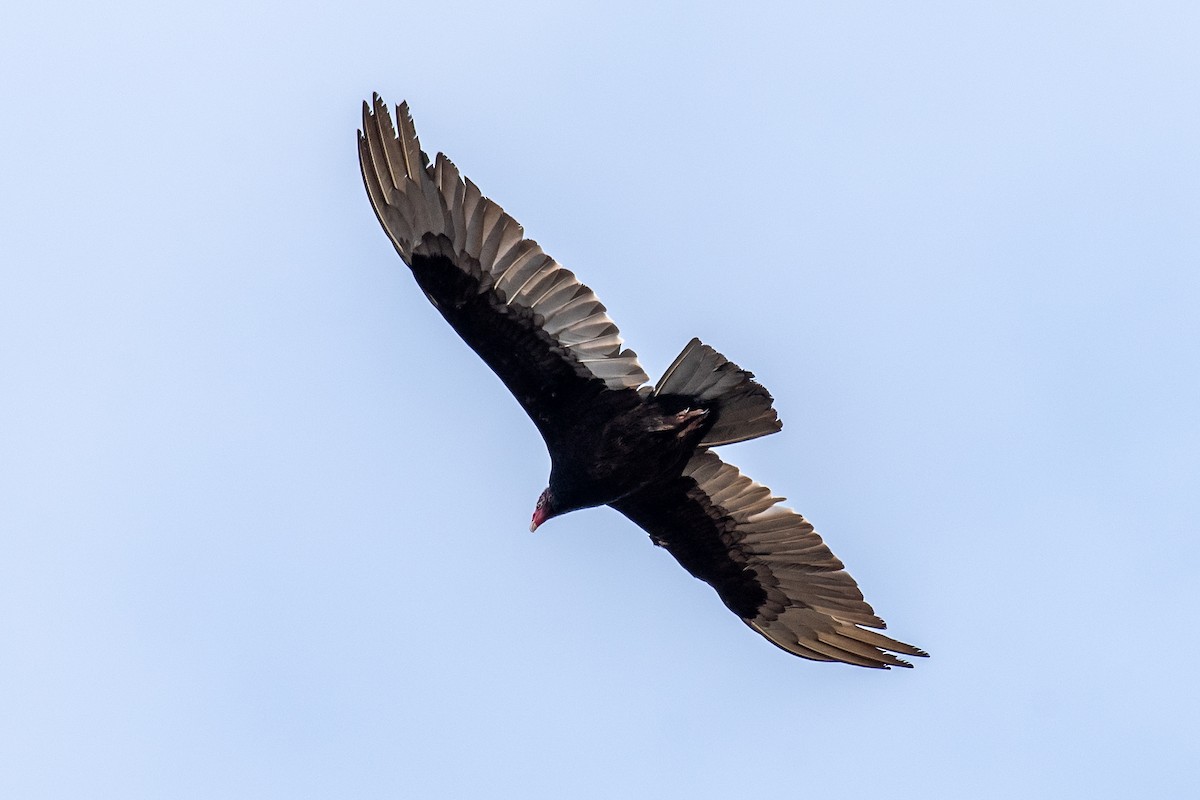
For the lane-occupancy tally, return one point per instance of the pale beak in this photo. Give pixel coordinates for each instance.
(539, 516)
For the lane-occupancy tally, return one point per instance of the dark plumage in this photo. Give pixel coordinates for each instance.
(612, 438)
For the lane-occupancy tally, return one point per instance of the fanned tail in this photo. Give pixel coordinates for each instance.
(744, 409)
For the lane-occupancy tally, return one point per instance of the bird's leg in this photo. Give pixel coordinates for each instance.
(682, 422)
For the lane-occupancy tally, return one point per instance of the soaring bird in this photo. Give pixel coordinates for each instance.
(614, 439)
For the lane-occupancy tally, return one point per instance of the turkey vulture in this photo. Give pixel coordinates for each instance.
(614, 439)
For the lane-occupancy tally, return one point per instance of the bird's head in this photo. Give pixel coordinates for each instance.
(544, 510)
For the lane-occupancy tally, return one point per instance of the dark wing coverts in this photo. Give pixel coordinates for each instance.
(765, 561)
(540, 330)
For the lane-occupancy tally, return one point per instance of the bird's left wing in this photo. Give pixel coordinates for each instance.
(765, 561)
(544, 333)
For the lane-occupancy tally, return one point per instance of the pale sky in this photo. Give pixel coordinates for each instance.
(263, 517)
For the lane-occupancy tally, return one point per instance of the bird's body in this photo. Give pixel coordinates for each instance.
(604, 443)
(612, 438)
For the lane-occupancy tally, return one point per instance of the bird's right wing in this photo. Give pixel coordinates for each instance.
(544, 333)
(765, 561)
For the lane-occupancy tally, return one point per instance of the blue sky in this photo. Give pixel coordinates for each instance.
(263, 517)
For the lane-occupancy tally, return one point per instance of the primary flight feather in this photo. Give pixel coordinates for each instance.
(613, 439)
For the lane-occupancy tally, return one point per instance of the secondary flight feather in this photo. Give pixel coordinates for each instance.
(614, 439)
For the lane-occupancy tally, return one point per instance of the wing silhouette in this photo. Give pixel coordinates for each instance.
(545, 334)
(765, 561)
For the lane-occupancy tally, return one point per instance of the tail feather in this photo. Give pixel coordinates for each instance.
(743, 406)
